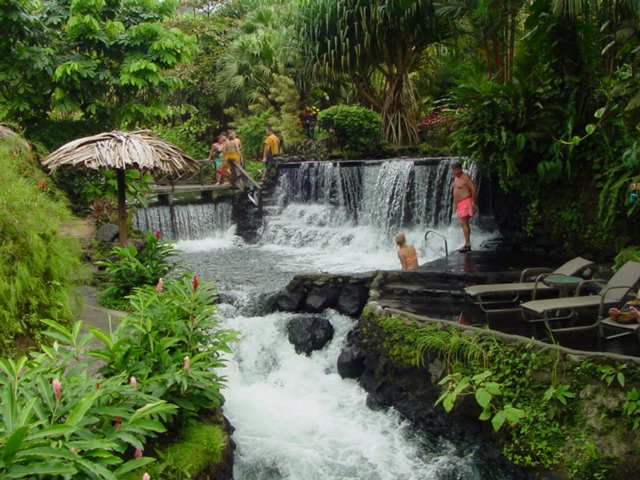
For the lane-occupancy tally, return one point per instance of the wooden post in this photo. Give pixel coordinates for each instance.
(122, 206)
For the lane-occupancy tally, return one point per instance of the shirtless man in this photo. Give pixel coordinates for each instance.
(464, 198)
(406, 253)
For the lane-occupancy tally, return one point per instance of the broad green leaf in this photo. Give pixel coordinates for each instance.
(54, 431)
(133, 465)
(498, 420)
(590, 128)
(483, 397)
(46, 452)
(30, 471)
(153, 409)
(101, 335)
(600, 112)
(13, 444)
(485, 415)
(81, 409)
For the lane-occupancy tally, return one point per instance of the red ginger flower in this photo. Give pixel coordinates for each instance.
(137, 453)
(160, 285)
(57, 388)
(157, 234)
(196, 281)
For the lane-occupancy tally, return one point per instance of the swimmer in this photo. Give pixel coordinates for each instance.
(406, 253)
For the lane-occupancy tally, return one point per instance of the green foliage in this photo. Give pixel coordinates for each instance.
(355, 128)
(133, 268)
(105, 61)
(536, 399)
(171, 343)
(192, 135)
(251, 131)
(625, 255)
(37, 264)
(353, 38)
(59, 419)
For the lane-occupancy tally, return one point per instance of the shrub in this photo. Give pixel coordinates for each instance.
(133, 268)
(62, 420)
(355, 128)
(37, 264)
(194, 135)
(171, 343)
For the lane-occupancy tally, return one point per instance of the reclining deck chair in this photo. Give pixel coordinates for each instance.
(611, 294)
(489, 296)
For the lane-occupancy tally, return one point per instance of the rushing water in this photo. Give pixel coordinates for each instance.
(295, 418)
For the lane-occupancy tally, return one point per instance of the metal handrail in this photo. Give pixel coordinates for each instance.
(444, 239)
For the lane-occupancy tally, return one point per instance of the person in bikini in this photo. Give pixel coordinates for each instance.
(464, 198)
(406, 253)
(230, 157)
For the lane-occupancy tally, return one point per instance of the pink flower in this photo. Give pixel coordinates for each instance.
(157, 234)
(57, 388)
(146, 476)
(160, 285)
(186, 363)
(196, 281)
(133, 382)
(137, 453)
(117, 422)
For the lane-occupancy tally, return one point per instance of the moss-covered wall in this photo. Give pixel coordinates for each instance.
(200, 451)
(550, 408)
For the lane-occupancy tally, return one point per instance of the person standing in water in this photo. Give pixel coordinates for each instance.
(464, 198)
(406, 253)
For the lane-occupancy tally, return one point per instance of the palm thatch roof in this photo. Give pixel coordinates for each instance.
(122, 150)
(6, 132)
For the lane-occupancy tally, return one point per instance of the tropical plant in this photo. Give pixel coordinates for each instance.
(171, 343)
(378, 43)
(133, 267)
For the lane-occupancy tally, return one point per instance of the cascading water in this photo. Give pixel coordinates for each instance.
(343, 218)
(182, 222)
(295, 418)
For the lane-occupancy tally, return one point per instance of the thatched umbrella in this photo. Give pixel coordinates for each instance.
(119, 151)
(6, 132)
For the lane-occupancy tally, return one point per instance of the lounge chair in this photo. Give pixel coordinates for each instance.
(611, 294)
(489, 296)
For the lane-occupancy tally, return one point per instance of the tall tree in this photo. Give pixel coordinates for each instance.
(378, 43)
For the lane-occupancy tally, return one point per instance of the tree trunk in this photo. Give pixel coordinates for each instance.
(122, 206)
(398, 111)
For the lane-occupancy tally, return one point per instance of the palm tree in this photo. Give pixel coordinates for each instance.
(378, 43)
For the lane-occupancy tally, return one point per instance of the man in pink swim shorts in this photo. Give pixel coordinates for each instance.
(464, 198)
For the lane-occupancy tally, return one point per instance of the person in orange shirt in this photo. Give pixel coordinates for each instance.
(271, 148)
(406, 253)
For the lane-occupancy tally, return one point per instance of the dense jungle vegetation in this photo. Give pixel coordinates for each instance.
(543, 92)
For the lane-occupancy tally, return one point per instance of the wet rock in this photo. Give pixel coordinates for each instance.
(309, 333)
(352, 300)
(350, 363)
(320, 299)
(290, 301)
(107, 233)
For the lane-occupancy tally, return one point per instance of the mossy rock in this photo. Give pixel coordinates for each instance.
(201, 452)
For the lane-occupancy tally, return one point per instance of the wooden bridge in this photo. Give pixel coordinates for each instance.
(208, 190)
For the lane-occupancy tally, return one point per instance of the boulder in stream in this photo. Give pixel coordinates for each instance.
(309, 333)
(321, 298)
(352, 299)
(350, 363)
(107, 233)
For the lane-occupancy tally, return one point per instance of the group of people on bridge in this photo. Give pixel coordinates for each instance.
(226, 155)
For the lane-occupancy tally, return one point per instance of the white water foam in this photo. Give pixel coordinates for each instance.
(216, 240)
(324, 237)
(296, 419)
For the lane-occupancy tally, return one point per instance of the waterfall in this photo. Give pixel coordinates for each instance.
(295, 418)
(186, 222)
(343, 216)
